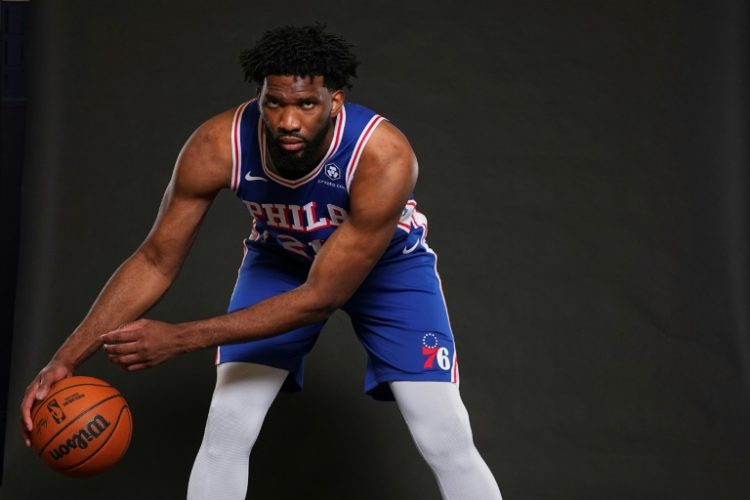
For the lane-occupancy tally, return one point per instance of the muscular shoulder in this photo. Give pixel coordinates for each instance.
(204, 164)
(388, 157)
(385, 176)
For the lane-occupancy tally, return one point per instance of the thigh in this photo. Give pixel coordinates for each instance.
(243, 394)
(430, 401)
(401, 319)
(263, 275)
(247, 385)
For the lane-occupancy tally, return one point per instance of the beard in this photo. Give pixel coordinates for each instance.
(296, 164)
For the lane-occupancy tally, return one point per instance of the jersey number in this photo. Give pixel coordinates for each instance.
(292, 244)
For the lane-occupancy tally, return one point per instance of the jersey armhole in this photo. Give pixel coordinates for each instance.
(351, 168)
(237, 146)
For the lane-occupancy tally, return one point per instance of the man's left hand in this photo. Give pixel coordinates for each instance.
(141, 344)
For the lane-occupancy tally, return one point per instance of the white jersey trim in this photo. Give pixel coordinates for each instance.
(405, 222)
(237, 146)
(454, 365)
(351, 168)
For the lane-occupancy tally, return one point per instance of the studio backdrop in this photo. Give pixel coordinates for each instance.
(583, 166)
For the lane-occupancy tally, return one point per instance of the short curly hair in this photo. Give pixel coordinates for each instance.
(306, 51)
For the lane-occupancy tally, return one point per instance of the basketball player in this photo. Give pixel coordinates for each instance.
(335, 226)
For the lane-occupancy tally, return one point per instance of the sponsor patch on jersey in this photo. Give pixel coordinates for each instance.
(331, 184)
(332, 171)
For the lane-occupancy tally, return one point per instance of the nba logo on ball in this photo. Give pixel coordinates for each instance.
(53, 407)
(89, 430)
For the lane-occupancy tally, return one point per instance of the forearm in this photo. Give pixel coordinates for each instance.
(133, 289)
(279, 314)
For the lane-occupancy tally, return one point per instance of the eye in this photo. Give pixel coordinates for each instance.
(307, 104)
(270, 102)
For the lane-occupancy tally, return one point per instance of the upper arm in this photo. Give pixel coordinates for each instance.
(202, 169)
(386, 175)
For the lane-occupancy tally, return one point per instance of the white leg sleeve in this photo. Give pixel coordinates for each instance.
(243, 394)
(439, 424)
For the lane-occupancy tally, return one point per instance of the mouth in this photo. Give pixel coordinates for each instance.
(291, 144)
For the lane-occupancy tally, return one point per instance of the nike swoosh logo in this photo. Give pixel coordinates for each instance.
(410, 250)
(249, 177)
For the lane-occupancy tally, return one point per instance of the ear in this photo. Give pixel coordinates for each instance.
(337, 101)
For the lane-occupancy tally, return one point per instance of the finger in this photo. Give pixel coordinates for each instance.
(126, 361)
(37, 391)
(43, 386)
(120, 349)
(28, 401)
(119, 336)
(26, 405)
(116, 360)
(25, 433)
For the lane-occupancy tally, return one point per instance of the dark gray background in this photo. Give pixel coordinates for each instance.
(583, 167)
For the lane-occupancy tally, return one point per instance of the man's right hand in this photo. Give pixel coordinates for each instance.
(37, 391)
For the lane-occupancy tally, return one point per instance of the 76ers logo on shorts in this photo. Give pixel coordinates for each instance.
(434, 352)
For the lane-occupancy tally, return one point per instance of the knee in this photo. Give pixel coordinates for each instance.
(230, 426)
(444, 439)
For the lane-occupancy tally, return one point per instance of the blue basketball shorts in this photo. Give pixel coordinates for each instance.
(398, 313)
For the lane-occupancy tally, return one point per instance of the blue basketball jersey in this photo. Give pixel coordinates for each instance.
(398, 312)
(295, 217)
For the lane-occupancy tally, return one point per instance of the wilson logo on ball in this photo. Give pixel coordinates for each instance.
(81, 439)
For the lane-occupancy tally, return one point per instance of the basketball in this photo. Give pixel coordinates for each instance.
(83, 426)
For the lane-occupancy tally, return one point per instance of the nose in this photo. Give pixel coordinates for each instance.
(289, 122)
